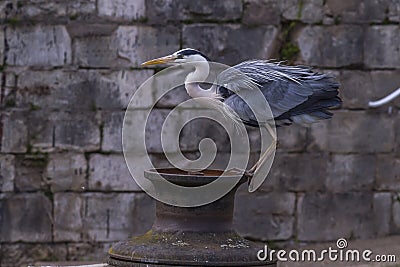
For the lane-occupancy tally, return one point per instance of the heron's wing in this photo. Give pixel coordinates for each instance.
(250, 73)
(284, 87)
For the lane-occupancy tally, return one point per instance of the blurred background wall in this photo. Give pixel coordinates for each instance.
(68, 69)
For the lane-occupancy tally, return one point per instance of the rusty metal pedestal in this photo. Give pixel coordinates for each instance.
(198, 236)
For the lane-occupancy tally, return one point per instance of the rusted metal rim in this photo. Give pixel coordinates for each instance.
(190, 236)
(187, 249)
(127, 263)
(185, 178)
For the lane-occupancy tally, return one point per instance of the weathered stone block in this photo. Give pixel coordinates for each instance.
(10, 79)
(161, 12)
(292, 139)
(51, 131)
(66, 172)
(351, 173)
(297, 172)
(382, 207)
(238, 48)
(382, 46)
(213, 10)
(9, 92)
(388, 173)
(334, 46)
(186, 10)
(104, 55)
(357, 11)
(90, 29)
(54, 90)
(28, 254)
(397, 139)
(41, 132)
(360, 87)
(119, 216)
(265, 217)
(2, 46)
(90, 251)
(113, 121)
(346, 132)
(394, 11)
(155, 126)
(68, 213)
(396, 213)
(80, 7)
(323, 217)
(110, 173)
(112, 131)
(308, 11)
(4, 7)
(81, 90)
(30, 172)
(81, 133)
(48, 46)
(136, 43)
(7, 173)
(116, 89)
(173, 98)
(136, 119)
(335, 10)
(26, 217)
(42, 9)
(122, 9)
(201, 128)
(14, 137)
(376, 10)
(258, 12)
(129, 46)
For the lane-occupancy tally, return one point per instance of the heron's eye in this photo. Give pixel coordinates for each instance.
(180, 56)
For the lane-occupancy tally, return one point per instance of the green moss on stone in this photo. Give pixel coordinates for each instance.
(337, 20)
(34, 107)
(10, 103)
(289, 51)
(13, 21)
(300, 11)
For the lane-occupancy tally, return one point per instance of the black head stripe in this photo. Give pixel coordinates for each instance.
(190, 51)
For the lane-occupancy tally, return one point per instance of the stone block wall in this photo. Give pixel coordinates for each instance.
(69, 68)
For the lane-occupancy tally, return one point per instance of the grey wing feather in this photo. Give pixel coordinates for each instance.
(261, 71)
(284, 87)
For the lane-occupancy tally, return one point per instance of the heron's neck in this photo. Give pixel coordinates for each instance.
(193, 80)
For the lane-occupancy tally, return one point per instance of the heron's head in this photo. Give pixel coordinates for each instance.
(186, 55)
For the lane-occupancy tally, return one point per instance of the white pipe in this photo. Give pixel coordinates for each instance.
(386, 99)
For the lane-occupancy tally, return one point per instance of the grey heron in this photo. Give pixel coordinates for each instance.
(295, 94)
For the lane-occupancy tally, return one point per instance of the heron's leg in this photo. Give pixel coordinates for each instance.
(267, 152)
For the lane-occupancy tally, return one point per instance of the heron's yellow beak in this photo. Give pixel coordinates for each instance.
(160, 60)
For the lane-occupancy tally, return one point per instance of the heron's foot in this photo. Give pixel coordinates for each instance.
(249, 173)
(195, 173)
(235, 171)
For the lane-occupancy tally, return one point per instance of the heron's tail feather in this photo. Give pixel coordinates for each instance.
(310, 112)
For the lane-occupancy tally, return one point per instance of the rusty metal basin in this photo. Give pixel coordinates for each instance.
(195, 236)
